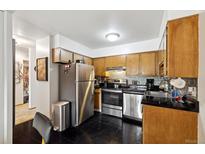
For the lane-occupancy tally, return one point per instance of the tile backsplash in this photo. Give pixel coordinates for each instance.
(190, 82)
(142, 80)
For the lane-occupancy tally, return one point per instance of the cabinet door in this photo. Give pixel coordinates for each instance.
(88, 60)
(160, 62)
(169, 126)
(61, 56)
(183, 47)
(147, 64)
(132, 64)
(66, 56)
(115, 61)
(99, 64)
(77, 57)
(97, 100)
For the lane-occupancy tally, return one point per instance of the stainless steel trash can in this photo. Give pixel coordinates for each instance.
(61, 116)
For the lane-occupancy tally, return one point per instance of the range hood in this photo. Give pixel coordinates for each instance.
(119, 68)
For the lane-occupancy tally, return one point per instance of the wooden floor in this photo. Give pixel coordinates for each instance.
(23, 113)
(99, 129)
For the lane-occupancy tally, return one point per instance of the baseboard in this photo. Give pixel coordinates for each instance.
(19, 104)
(31, 108)
(98, 110)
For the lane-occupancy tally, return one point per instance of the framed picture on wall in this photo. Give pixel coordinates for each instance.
(42, 69)
(18, 72)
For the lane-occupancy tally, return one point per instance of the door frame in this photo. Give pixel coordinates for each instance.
(6, 79)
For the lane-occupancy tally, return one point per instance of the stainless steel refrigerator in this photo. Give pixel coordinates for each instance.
(77, 86)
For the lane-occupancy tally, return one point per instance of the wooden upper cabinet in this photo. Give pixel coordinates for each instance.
(160, 57)
(148, 64)
(143, 64)
(61, 56)
(182, 47)
(115, 61)
(133, 64)
(88, 60)
(160, 62)
(99, 65)
(77, 57)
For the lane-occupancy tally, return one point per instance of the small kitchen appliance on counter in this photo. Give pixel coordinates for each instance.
(150, 84)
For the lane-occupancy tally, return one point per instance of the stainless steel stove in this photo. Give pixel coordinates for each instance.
(112, 101)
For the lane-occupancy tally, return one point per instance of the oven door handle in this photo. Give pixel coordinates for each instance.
(112, 91)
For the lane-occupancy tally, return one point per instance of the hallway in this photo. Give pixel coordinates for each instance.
(23, 113)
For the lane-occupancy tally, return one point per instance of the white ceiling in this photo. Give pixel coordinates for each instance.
(90, 27)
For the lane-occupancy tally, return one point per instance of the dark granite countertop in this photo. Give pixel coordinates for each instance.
(186, 103)
(97, 87)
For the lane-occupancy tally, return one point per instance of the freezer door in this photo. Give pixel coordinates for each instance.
(85, 101)
(132, 107)
(67, 84)
(84, 72)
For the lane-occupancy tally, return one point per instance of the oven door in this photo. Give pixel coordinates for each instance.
(112, 97)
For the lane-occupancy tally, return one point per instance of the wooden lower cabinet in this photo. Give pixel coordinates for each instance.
(97, 100)
(169, 126)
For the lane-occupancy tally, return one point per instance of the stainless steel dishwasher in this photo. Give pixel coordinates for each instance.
(132, 107)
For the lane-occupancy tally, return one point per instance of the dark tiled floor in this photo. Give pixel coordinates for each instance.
(100, 129)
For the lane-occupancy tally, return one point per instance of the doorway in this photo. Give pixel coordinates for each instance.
(23, 111)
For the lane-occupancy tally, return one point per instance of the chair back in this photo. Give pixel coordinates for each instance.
(43, 125)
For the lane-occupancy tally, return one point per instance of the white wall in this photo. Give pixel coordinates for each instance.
(1, 79)
(43, 87)
(201, 79)
(21, 54)
(136, 47)
(6, 78)
(66, 43)
(32, 77)
(54, 83)
(163, 25)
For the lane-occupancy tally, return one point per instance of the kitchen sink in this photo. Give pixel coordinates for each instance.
(158, 94)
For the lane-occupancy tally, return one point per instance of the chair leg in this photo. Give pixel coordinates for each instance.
(43, 141)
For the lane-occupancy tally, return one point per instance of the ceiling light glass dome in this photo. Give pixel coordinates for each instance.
(112, 36)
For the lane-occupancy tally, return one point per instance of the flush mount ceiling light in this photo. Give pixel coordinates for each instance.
(112, 36)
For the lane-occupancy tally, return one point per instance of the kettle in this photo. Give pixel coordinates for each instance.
(164, 85)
